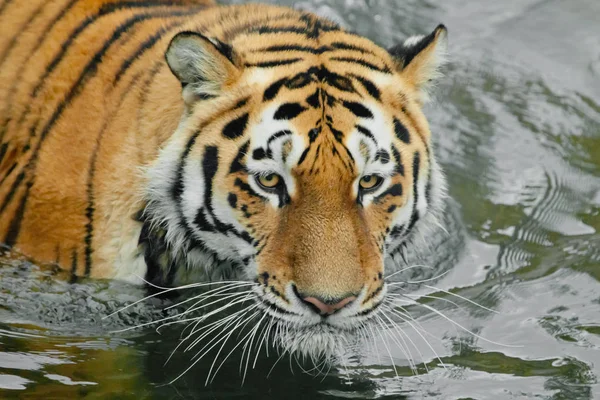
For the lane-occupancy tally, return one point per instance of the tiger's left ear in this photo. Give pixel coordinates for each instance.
(204, 66)
(420, 58)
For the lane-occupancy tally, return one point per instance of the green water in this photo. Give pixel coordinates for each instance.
(517, 126)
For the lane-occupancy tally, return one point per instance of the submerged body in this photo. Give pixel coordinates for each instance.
(187, 142)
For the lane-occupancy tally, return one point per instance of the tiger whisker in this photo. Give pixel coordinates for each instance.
(462, 327)
(208, 328)
(385, 344)
(237, 321)
(416, 297)
(421, 281)
(196, 307)
(197, 360)
(225, 290)
(403, 347)
(240, 325)
(248, 346)
(405, 314)
(401, 335)
(463, 298)
(171, 317)
(265, 335)
(166, 290)
(417, 329)
(370, 326)
(276, 361)
(406, 269)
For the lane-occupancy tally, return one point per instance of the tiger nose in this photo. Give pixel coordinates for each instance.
(328, 307)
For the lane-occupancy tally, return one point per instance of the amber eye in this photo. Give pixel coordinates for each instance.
(268, 181)
(370, 182)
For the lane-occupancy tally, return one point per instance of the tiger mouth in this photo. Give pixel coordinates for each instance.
(307, 319)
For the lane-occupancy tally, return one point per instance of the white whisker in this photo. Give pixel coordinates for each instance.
(462, 298)
(463, 328)
(406, 269)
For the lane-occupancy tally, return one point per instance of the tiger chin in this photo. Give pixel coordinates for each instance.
(182, 142)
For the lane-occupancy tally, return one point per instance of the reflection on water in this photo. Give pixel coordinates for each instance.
(517, 125)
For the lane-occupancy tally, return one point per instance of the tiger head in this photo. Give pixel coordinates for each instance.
(303, 165)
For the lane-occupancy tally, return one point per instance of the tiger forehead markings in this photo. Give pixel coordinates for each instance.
(274, 146)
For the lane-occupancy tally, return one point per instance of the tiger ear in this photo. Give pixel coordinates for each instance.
(204, 66)
(420, 58)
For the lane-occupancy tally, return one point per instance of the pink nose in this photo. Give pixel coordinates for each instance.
(326, 308)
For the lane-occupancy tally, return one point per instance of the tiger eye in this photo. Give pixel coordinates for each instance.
(269, 181)
(370, 182)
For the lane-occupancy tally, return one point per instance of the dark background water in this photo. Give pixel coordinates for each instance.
(517, 124)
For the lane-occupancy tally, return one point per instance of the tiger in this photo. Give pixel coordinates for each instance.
(174, 142)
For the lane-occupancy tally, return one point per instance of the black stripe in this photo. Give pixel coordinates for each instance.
(415, 213)
(241, 103)
(384, 155)
(15, 224)
(347, 46)
(90, 209)
(20, 31)
(8, 172)
(235, 128)
(73, 278)
(367, 133)
(314, 100)
(303, 155)
(300, 80)
(224, 49)
(144, 46)
(229, 35)
(263, 30)
(369, 86)
(289, 111)
(396, 231)
(90, 70)
(358, 109)
(232, 200)
(274, 63)
(236, 164)
(292, 47)
(247, 188)
(104, 10)
(339, 137)
(401, 131)
(259, 154)
(277, 135)
(273, 89)
(177, 189)
(143, 94)
(399, 167)
(12, 191)
(336, 80)
(210, 165)
(22, 68)
(394, 190)
(364, 63)
(3, 6)
(3, 149)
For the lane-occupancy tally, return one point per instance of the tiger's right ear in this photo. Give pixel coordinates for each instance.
(420, 58)
(204, 66)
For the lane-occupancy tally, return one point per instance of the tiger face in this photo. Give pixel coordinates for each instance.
(302, 167)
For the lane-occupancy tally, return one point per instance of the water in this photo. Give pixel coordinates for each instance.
(517, 124)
